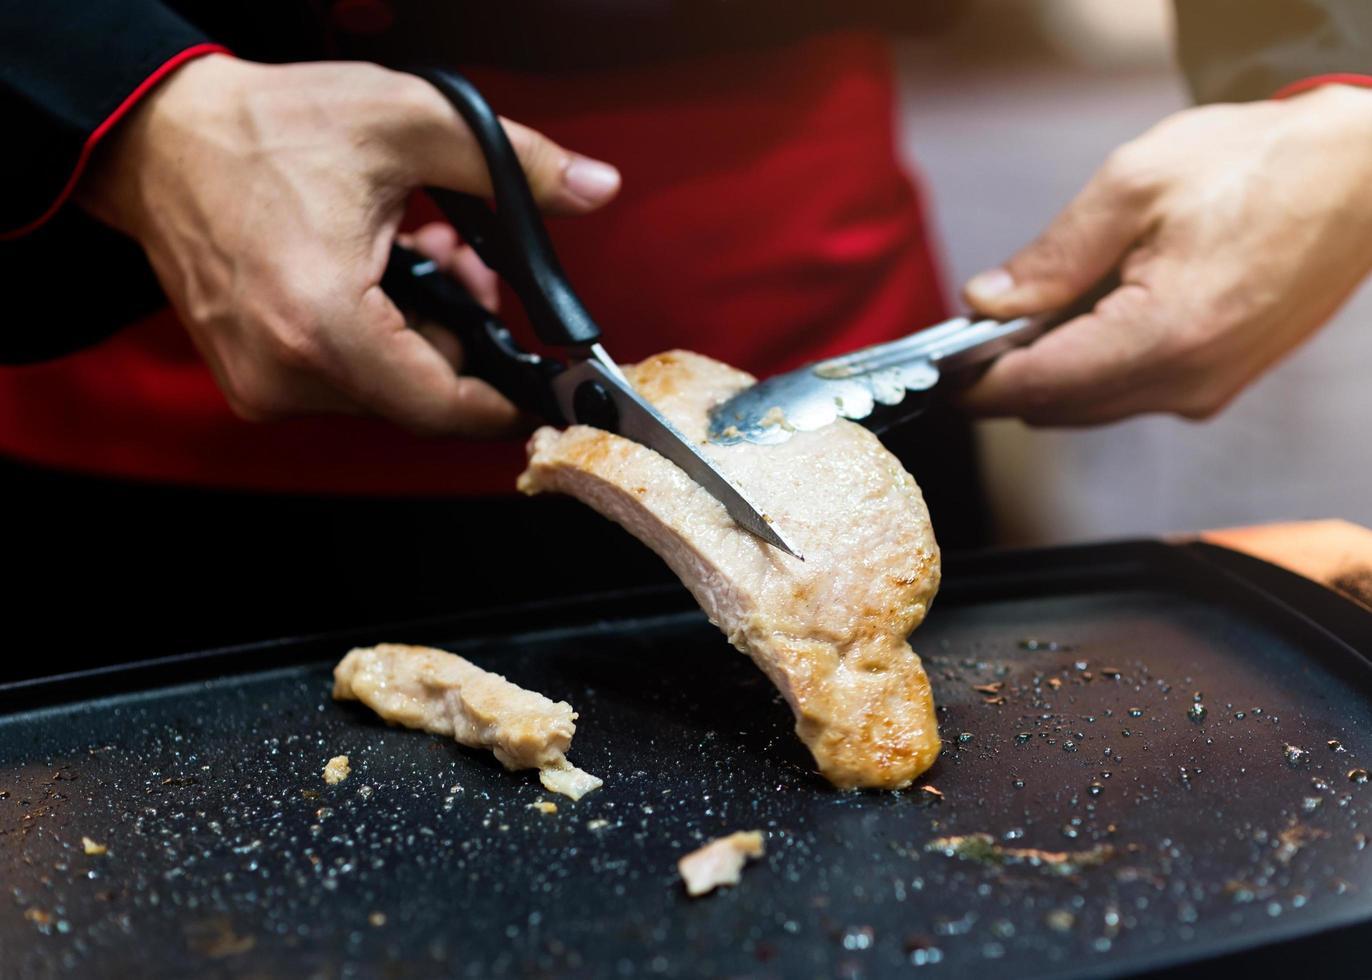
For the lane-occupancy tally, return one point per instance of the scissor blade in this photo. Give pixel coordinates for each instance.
(640, 421)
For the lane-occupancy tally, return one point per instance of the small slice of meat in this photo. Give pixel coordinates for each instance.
(830, 632)
(439, 692)
(568, 780)
(719, 862)
(336, 770)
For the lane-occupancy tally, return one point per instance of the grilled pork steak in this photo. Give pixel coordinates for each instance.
(830, 631)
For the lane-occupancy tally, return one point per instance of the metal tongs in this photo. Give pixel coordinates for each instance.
(875, 385)
(588, 388)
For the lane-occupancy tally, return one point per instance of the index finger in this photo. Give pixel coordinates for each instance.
(1086, 371)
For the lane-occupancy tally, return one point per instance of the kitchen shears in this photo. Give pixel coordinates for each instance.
(588, 387)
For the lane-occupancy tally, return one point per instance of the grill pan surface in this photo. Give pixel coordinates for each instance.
(1238, 834)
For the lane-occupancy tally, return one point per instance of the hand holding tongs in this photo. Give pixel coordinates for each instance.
(872, 385)
(589, 389)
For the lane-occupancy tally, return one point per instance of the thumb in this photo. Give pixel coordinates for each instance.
(1083, 243)
(441, 151)
(561, 181)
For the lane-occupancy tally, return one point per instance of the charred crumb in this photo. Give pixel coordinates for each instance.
(984, 849)
(1294, 838)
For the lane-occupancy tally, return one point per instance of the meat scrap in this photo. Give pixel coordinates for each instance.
(719, 862)
(439, 692)
(336, 770)
(830, 631)
(568, 780)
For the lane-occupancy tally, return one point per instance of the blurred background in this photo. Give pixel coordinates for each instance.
(1006, 117)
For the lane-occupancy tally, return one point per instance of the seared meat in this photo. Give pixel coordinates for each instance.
(719, 862)
(420, 687)
(830, 631)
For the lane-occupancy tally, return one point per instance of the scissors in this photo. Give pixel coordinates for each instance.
(586, 387)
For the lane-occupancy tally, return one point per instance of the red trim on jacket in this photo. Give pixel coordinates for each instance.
(1315, 81)
(99, 133)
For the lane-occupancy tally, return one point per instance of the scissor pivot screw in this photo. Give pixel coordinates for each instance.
(594, 406)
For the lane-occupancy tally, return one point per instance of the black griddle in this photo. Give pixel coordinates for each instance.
(1237, 837)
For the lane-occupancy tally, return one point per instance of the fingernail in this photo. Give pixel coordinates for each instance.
(990, 284)
(590, 180)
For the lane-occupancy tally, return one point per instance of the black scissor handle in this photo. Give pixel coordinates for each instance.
(489, 350)
(511, 239)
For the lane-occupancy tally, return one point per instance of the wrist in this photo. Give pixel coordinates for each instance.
(1333, 124)
(1345, 103)
(124, 167)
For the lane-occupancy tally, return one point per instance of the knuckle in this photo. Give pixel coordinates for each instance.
(1194, 346)
(297, 348)
(1199, 409)
(1049, 253)
(540, 157)
(411, 93)
(1173, 347)
(1129, 172)
(252, 400)
(1129, 302)
(295, 331)
(429, 422)
(436, 414)
(1202, 400)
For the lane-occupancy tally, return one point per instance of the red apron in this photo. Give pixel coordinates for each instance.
(765, 220)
